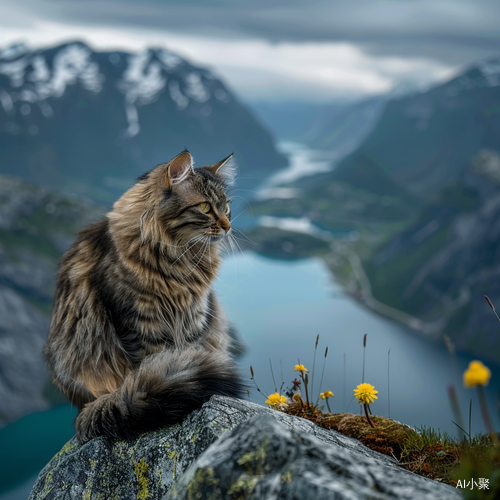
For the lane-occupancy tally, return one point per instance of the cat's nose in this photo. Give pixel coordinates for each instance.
(225, 224)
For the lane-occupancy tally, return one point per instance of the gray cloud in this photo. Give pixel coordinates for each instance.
(306, 50)
(450, 31)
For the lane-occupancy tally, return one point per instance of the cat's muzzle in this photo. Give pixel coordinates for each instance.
(218, 237)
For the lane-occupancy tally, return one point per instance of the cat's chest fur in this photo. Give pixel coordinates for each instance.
(177, 317)
(162, 312)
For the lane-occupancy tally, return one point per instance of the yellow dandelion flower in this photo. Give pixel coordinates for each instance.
(326, 395)
(301, 368)
(296, 397)
(365, 393)
(275, 399)
(476, 374)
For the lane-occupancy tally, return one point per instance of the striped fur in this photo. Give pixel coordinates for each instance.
(137, 338)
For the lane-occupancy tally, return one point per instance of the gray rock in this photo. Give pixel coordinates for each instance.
(262, 454)
(261, 458)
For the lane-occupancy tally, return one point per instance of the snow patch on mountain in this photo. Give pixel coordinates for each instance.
(6, 101)
(484, 74)
(41, 72)
(170, 61)
(195, 88)
(143, 80)
(14, 51)
(133, 120)
(177, 96)
(491, 72)
(71, 64)
(15, 70)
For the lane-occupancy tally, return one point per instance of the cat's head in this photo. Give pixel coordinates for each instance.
(177, 204)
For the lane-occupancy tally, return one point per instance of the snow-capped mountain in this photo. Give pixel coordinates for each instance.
(91, 122)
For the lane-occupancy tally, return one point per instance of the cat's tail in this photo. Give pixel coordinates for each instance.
(164, 389)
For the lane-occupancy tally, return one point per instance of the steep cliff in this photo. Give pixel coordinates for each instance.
(36, 227)
(441, 266)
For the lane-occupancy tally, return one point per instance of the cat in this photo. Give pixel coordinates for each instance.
(137, 338)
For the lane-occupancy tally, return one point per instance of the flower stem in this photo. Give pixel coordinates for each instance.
(365, 406)
(457, 413)
(328, 405)
(486, 416)
(314, 365)
(305, 379)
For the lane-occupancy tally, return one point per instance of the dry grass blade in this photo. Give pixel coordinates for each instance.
(492, 306)
(272, 374)
(322, 374)
(314, 365)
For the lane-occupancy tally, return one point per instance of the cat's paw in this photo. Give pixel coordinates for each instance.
(102, 417)
(85, 425)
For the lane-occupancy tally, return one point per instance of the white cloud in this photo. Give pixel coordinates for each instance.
(257, 69)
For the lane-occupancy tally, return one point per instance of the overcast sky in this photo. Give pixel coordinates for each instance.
(277, 49)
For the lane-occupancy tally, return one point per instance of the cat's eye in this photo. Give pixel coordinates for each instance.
(205, 207)
(228, 209)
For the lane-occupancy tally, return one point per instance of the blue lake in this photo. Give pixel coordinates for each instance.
(279, 307)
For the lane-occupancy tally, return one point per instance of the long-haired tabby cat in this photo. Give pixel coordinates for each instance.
(137, 338)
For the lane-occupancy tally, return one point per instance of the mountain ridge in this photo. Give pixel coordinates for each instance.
(440, 267)
(425, 140)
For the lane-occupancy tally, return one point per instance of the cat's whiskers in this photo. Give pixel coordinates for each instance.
(221, 241)
(242, 189)
(234, 239)
(165, 243)
(204, 242)
(204, 248)
(197, 240)
(209, 257)
(244, 235)
(245, 200)
(230, 241)
(224, 247)
(236, 218)
(166, 247)
(243, 253)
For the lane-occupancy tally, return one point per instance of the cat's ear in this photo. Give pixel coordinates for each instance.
(226, 169)
(178, 169)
